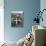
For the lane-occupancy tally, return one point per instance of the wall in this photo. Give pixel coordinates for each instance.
(43, 6)
(1, 21)
(29, 7)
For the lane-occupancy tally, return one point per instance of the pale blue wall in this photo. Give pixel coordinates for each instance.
(29, 7)
(43, 6)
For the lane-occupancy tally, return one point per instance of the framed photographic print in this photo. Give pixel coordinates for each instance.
(17, 19)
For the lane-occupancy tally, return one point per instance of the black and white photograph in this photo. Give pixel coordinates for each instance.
(17, 19)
